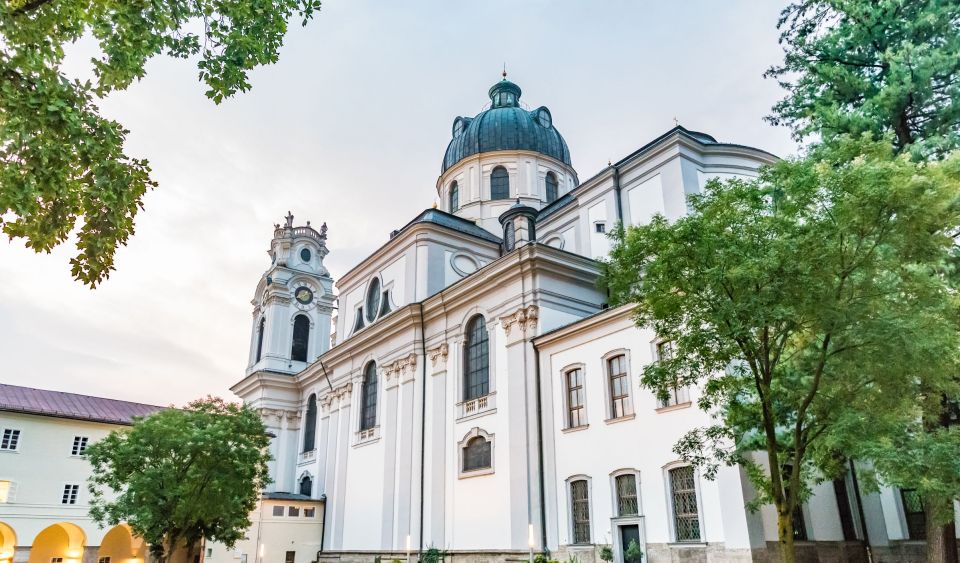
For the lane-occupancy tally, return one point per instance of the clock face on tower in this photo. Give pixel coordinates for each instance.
(304, 295)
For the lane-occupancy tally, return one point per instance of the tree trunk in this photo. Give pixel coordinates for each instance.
(941, 538)
(785, 535)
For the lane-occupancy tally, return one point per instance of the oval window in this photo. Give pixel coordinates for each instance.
(305, 254)
(373, 299)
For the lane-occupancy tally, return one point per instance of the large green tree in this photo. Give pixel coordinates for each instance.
(805, 304)
(876, 66)
(182, 475)
(61, 161)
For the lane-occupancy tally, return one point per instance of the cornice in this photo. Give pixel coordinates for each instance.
(586, 324)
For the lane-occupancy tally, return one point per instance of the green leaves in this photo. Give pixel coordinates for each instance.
(812, 306)
(182, 475)
(64, 165)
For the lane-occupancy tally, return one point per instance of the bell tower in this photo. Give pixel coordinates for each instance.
(293, 303)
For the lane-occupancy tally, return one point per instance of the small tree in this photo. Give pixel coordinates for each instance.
(633, 553)
(179, 476)
(803, 304)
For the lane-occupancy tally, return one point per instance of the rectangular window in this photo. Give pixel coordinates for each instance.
(103, 560)
(209, 553)
(686, 516)
(580, 511)
(309, 512)
(56, 560)
(70, 493)
(10, 439)
(79, 445)
(5, 491)
(619, 389)
(289, 557)
(913, 511)
(278, 511)
(677, 394)
(627, 495)
(575, 414)
(293, 511)
(600, 227)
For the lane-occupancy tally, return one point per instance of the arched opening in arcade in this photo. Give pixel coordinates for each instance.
(8, 543)
(119, 545)
(62, 542)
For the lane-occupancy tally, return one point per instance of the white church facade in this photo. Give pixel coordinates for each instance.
(477, 395)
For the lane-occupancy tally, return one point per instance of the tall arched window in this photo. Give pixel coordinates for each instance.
(368, 413)
(499, 183)
(476, 380)
(262, 325)
(454, 197)
(310, 425)
(306, 486)
(301, 336)
(551, 187)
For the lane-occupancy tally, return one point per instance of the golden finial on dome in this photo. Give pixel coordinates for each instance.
(434, 204)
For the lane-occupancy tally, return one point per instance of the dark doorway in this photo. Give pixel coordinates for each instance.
(628, 534)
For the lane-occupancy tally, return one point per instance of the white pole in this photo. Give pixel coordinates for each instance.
(530, 538)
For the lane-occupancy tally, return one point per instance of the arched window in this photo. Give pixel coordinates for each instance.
(454, 197)
(310, 425)
(499, 183)
(263, 323)
(551, 187)
(476, 380)
(368, 405)
(301, 336)
(306, 486)
(476, 454)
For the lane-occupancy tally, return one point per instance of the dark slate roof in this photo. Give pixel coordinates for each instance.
(14, 398)
(289, 496)
(506, 126)
(453, 222)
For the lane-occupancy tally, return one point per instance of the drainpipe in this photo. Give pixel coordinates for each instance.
(323, 526)
(543, 500)
(616, 190)
(423, 423)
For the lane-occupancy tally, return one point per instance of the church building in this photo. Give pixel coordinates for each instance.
(467, 388)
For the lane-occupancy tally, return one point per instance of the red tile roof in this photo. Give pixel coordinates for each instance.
(14, 398)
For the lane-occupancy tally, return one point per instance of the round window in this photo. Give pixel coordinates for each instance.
(305, 254)
(373, 299)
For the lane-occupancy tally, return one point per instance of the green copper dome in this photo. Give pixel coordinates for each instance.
(505, 126)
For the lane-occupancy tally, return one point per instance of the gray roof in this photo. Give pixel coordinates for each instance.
(506, 126)
(277, 495)
(453, 222)
(29, 400)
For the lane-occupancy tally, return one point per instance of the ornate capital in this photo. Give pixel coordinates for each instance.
(403, 368)
(438, 356)
(270, 417)
(521, 323)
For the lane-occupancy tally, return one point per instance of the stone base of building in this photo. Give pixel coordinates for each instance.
(401, 557)
(821, 551)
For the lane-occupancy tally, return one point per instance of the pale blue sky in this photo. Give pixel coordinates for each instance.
(350, 128)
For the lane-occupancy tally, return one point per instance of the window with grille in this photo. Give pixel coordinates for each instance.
(293, 511)
(627, 495)
(499, 183)
(677, 394)
(580, 510)
(477, 360)
(70, 493)
(619, 387)
(368, 413)
(103, 560)
(56, 560)
(289, 557)
(454, 197)
(10, 440)
(310, 425)
(309, 512)
(278, 511)
(551, 182)
(913, 511)
(476, 454)
(686, 517)
(79, 445)
(306, 486)
(575, 412)
(301, 336)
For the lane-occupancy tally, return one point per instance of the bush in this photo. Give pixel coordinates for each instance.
(606, 553)
(633, 554)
